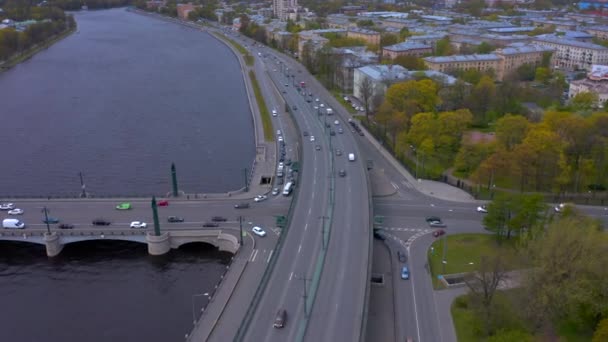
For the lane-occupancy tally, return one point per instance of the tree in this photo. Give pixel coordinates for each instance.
(470, 155)
(480, 100)
(485, 48)
(584, 101)
(511, 130)
(387, 39)
(484, 282)
(410, 62)
(443, 47)
(601, 331)
(413, 97)
(542, 75)
(566, 277)
(367, 92)
(500, 212)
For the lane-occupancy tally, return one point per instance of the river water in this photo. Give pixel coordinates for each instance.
(119, 101)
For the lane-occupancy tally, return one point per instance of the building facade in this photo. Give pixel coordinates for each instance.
(596, 82)
(369, 36)
(406, 49)
(371, 81)
(283, 8)
(574, 55)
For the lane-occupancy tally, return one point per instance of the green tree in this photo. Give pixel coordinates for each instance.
(601, 331)
(485, 48)
(365, 23)
(404, 33)
(510, 336)
(511, 130)
(410, 62)
(584, 101)
(413, 97)
(542, 75)
(500, 212)
(443, 47)
(387, 39)
(470, 155)
(480, 100)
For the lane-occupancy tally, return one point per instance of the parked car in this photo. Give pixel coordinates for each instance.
(258, 231)
(305, 133)
(101, 222)
(438, 232)
(482, 209)
(243, 205)
(16, 211)
(51, 220)
(66, 226)
(318, 147)
(123, 206)
(378, 235)
(163, 203)
(138, 224)
(275, 191)
(274, 112)
(312, 138)
(342, 173)
(405, 273)
(402, 257)
(435, 221)
(218, 219)
(280, 319)
(338, 152)
(174, 219)
(7, 206)
(260, 198)
(560, 207)
(210, 224)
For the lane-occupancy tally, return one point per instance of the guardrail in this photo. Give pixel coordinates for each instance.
(240, 334)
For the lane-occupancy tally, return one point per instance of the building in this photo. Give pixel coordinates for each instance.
(184, 9)
(574, 55)
(406, 49)
(513, 57)
(483, 63)
(155, 4)
(351, 59)
(596, 82)
(283, 9)
(371, 82)
(369, 36)
(598, 31)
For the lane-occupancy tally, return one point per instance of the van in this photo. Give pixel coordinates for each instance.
(280, 319)
(12, 224)
(287, 189)
(351, 157)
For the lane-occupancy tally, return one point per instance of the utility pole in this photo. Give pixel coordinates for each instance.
(305, 295)
(246, 180)
(155, 216)
(241, 229)
(323, 230)
(83, 193)
(46, 219)
(174, 179)
(445, 248)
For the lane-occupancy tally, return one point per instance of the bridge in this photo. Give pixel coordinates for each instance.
(54, 241)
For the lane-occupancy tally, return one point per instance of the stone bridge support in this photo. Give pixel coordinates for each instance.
(53, 245)
(158, 245)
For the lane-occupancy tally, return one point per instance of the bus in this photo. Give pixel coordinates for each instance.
(287, 189)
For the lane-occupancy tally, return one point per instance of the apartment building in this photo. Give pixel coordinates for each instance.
(596, 82)
(184, 9)
(370, 37)
(406, 49)
(283, 9)
(574, 55)
(598, 31)
(373, 80)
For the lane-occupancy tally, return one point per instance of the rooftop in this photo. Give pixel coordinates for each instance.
(463, 58)
(519, 49)
(381, 72)
(511, 29)
(405, 46)
(569, 42)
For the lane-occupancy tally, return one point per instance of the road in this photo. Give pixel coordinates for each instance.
(342, 280)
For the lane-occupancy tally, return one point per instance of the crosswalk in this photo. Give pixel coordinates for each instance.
(261, 255)
(406, 244)
(401, 229)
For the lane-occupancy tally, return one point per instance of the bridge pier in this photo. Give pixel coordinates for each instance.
(158, 245)
(53, 245)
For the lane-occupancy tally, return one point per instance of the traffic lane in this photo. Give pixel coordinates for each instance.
(426, 310)
(343, 281)
(383, 323)
(404, 296)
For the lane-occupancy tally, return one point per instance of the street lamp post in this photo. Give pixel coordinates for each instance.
(241, 229)
(445, 248)
(46, 219)
(305, 295)
(246, 180)
(416, 154)
(83, 193)
(323, 230)
(206, 294)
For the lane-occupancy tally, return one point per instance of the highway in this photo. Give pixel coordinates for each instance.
(341, 292)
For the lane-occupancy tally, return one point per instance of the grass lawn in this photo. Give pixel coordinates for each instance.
(338, 95)
(266, 122)
(463, 253)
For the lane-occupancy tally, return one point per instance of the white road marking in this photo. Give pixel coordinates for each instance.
(269, 256)
(414, 296)
(299, 248)
(306, 225)
(395, 186)
(254, 254)
(291, 276)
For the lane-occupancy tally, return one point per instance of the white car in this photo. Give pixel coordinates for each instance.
(316, 100)
(260, 198)
(312, 138)
(274, 112)
(346, 99)
(7, 206)
(278, 132)
(336, 122)
(482, 209)
(560, 207)
(258, 231)
(275, 191)
(321, 105)
(138, 224)
(16, 211)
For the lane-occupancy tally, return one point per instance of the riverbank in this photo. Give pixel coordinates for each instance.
(29, 53)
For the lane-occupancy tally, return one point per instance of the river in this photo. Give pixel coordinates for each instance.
(119, 101)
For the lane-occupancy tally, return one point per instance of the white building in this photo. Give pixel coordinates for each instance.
(371, 81)
(284, 9)
(574, 55)
(596, 82)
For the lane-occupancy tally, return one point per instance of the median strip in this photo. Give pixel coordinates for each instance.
(266, 122)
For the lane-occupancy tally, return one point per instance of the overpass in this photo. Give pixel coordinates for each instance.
(157, 245)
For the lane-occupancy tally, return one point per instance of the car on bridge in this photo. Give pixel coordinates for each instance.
(258, 231)
(342, 173)
(435, 221)
(123, 206)
(405, 273)
(50, 220)
(402, 257)
(243, 205)
(7, 206)
(211, 225)
(260, 198)
(138, 224)
(218, 219)
(163, 203)
(101, 222)
(174, 219)
(16, 211)
(66, 226)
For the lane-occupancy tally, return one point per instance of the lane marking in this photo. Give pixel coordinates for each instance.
(290, 276)
(255, 254)
(306, 225)
(395, 186)
(269, 256)
(299, 248)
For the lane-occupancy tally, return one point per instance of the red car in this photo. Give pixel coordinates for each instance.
(163, 203)
(438, 232)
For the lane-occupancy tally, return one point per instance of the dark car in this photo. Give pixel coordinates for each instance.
(342, 173)
(305, 133)
(438, 232)
(101, 222)
(318, 147)
(175, 219)
(332, 132)
(66, 226)
(219, 219)
(280, 319)
(402, 257)
(435, 221)
(378, 235)
(243, 205)
(210, 224)
(163, 203)
(50, 220)
(294, 107)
